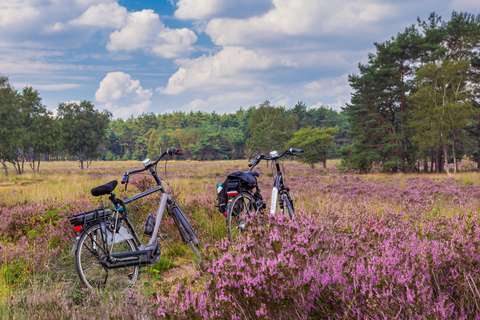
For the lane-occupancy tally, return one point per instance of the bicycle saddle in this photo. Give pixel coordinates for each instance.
(104, 188)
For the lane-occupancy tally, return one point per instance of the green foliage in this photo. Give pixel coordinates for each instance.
(393, 121)
(83, 129)
(269, 128)
(316, 143)
(14, 273)
(207, 136)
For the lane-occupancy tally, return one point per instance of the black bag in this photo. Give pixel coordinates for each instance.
(242, 180)
(236, 181)
(222, 197)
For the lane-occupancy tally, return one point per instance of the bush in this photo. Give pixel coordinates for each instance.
(361, 266)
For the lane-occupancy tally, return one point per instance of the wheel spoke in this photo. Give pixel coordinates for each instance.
(93, 272)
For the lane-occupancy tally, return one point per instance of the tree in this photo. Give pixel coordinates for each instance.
(442, 107)
(40, 134)
(269, 128)
(10, 126)
(380, 108)
(316, 143)
(83, 129)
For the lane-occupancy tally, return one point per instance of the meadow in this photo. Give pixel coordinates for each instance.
(369, 246)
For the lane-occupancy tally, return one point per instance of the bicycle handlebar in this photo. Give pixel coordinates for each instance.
(149, 165)
(291, 151)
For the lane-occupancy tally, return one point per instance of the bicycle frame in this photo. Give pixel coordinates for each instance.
(278, 186)
(144, 253)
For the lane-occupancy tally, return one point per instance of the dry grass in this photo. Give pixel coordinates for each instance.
(193, 183)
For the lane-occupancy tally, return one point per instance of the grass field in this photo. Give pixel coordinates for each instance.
(362, 246)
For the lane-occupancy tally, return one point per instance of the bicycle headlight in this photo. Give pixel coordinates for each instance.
(146, 162)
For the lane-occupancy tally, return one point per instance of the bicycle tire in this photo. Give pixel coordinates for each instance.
(233, 213)
(287, 205)
(119, 279)
(186, 232)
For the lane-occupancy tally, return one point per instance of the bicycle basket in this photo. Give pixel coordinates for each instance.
(89, 217)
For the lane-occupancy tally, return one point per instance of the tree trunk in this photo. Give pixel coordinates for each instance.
(455, 167)
(324, 162)
(441, 161)
(81, 164)
(425, 165)
(38, 166)
(432, 162)
(5, 168)
(445, 155)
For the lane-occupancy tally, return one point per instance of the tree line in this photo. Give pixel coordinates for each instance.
(30, 133)
(415, 103)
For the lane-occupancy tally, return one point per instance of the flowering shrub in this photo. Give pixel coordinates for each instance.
(36, 232)
(364, 266)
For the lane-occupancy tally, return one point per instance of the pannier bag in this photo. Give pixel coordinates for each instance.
(236, 181)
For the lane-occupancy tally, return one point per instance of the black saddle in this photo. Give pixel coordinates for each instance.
(104, 188)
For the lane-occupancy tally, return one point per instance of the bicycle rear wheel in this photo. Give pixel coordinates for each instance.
(238, 211)
(91, 249)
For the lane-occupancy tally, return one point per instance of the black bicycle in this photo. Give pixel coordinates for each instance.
(108, 252)
(245, 200)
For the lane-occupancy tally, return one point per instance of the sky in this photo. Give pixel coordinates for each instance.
(137, 56)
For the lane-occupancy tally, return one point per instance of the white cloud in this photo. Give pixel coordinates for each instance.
(48, 86)
(122, 95)
(334, 92)
(226, 101)
(197, 9)
(103, 15)
(466, 5)
(223, 68)
(33, 17)
(144, 30)
(203, 9)
(17, 12)
(293, 18)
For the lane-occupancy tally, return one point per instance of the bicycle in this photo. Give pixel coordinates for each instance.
(245, 203)
(108, 249)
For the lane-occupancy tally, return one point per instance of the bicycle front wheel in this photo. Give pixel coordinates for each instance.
(91, 250)
(287, 205)
(187, 233)
(239, 210)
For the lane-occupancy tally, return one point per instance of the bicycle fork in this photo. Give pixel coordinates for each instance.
(273, 205)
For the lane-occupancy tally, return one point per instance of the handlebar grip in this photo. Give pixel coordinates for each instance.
(174, 151)
(295, 150)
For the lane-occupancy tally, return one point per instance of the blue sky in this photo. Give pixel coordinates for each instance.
(135, 56)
